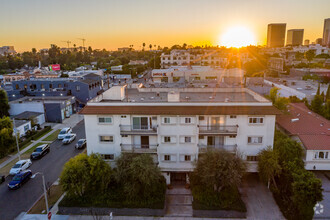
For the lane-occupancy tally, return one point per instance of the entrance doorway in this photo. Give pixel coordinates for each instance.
(144, 141)
(178, 178)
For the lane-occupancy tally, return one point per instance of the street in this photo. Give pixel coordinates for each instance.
(13, 202)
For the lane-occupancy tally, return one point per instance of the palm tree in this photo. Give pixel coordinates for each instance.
(144, 44)
(150, 46)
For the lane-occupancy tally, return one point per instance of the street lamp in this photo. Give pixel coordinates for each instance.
(45, 192)
(17, 145)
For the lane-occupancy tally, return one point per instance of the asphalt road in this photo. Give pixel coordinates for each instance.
(13, 202)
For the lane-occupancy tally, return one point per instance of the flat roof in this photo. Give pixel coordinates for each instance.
(46, 99)
(134, 95)
(27, 115)
(19, 123)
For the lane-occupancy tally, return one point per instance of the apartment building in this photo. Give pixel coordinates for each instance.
(186, 57)
(176, 125)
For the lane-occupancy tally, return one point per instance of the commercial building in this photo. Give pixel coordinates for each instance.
(176, 125)
(276, 35)
(311, 131)
(326, 33)
(295, 37)
(55, 109)
(276, 64)
(306, 42)
(196, 73)
(319, 41)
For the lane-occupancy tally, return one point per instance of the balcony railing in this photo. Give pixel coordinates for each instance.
(138, 129)
(138, 148)
(230, 148)
(218, 129)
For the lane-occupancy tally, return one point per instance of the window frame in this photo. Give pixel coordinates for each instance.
(111, 142)
(110, 155)
(167, 139)
(167, 157)
(262, 139)
(99, 117)
(187, 156)
(257, 120)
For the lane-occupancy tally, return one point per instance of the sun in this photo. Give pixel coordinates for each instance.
(237, 37)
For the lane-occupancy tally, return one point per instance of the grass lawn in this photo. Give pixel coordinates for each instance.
(53, 136)
(44, 134)
(55, 193)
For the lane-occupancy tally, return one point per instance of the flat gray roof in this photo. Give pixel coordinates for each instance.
(133, 95)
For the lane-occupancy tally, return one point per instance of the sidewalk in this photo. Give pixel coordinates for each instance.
(69, 122)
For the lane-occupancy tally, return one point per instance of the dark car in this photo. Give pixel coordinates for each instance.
(40, 151)
(20, 179)
(81, 144)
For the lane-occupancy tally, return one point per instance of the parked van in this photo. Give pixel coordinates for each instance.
(64, 132)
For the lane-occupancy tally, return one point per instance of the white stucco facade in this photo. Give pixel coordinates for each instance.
(176, 140)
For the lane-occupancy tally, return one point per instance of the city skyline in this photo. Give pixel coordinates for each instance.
(113, 24)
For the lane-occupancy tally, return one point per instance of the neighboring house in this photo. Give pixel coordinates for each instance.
(22, 126)
(175, 125)
(83, 89)
(312, 131)
(56, 109)
(36, 117)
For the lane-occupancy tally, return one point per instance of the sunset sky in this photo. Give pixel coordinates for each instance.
(111, 24)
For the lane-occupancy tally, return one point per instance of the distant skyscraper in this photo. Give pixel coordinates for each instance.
(295, 37)
(326, 32)
(306, 42)
(319, 41)
(276, 35)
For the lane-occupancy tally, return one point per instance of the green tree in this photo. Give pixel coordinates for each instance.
(299, 56)
(309, 55)
(317, 103)
(84, 175)
(217, 169)
(327, 96)
(318, 90)
(7, 140)
(4, 106)
(268, 165)
(140, 176)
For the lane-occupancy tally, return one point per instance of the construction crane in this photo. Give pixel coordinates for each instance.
(83, 41)
(68, 42)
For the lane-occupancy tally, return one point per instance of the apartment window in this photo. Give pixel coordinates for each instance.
(254, 140)
(106, 138)
(167, 157)
(256, 120)
(26, 127)
(167, 120)
(201, 118)
(50, 86)
(105, 120)
(124, 135)
(108, 156)
(232, 136)
(77, 88)
(123, 116)
(187, 120)
(187, 158)
(17, 86)
(167, 139)
(321, 155)
(233, 116)
(59, 85)
(252, 158)
(187, 139)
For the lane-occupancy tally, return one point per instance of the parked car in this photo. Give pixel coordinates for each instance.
(19, 179)
(81, 144)
(2, 178)
(40, 151)
(69, 138)
(64, 132)
(20, 166)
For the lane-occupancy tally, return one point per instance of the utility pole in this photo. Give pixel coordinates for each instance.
(83, 41)
(19, 153)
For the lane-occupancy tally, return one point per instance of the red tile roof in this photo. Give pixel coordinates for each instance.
(312, 129)
(180, 110)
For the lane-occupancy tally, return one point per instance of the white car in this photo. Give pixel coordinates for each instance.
(69, 138)
(20, 166)
(64, 132)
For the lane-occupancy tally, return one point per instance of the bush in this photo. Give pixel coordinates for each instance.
(135, 183)
(215, 180)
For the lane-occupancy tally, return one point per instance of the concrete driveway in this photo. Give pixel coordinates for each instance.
(258, 199)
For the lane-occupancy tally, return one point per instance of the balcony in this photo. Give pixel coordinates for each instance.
(230, 148)
(138, 130)
(138, 148)
(218, 130)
